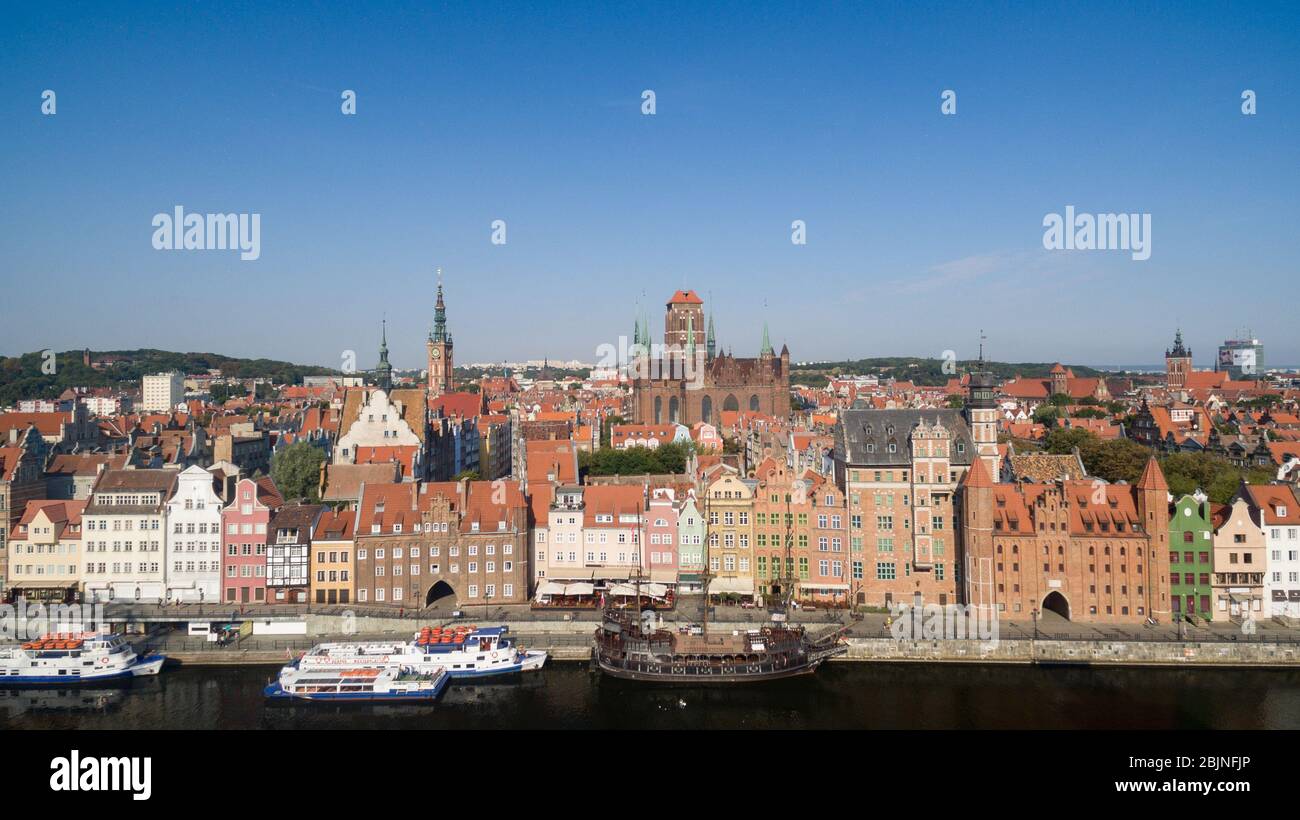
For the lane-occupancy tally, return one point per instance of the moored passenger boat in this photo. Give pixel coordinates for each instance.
(363, 684)
(465, 652)
(67, 658)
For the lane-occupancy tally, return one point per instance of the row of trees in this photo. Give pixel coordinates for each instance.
(1124, 460)
(667, 458)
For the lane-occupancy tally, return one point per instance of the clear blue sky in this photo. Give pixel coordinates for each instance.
(922, 229)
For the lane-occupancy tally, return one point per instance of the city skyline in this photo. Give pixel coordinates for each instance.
(922, 228)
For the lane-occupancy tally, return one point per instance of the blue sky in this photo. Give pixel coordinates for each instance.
(922, 229)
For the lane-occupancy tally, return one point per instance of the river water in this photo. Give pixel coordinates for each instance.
(841, 695)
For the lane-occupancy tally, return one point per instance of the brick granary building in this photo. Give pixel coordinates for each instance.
(1086, 550)
(688, 380)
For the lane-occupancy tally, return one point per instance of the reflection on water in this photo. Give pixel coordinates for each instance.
(840, 695)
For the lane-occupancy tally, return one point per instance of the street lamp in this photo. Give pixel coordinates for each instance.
(1034, 613)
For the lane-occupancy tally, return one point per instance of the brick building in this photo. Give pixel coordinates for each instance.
(689, 381)
(417, 544)
(1087, 550)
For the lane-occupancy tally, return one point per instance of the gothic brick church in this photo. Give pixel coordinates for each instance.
(686, 380)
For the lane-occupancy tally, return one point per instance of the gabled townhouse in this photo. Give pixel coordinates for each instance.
(244, 529)
(661, 549)
(288, 553)
(45, 552)
(729, 514)
(1240, 563)
(691, 532)
(1191, 558)
(193, 544)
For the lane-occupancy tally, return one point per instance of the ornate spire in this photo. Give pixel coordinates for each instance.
(384, 370)
(1178, 351)
(766, 349)
(439, 333)
(711, 343)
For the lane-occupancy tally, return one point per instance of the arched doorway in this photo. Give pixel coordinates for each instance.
(1055, 602)
(437, 592)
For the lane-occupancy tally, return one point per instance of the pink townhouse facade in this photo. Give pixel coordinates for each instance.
(660, 554)
(244, 524)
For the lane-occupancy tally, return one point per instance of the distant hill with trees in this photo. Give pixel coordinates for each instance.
(24, 376)
(924, 371)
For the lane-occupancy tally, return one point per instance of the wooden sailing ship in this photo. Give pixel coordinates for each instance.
(629, 646)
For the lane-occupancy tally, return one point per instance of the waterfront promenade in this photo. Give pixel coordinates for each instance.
(567, 635)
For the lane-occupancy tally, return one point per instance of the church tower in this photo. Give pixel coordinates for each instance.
(384, 370)
(982, 416)
(440, 348)
(1178, 363)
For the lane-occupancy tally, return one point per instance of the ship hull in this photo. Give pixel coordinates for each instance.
(703, 676)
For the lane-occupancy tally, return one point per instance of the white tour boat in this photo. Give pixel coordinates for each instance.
(465, 652)
(357, 684)
(69, 658)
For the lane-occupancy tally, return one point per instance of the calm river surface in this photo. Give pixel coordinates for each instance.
(840, 695)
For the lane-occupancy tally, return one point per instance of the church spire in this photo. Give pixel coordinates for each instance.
(711, 343)
(766, 349)
(384, 370)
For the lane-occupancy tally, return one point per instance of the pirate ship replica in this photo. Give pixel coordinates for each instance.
(629, 646)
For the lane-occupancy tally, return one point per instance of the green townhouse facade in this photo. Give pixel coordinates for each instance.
(1191, 558)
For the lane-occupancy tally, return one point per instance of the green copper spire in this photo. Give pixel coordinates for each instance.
(384, 370)
(766, 349)
(439, 333)
(710, 343)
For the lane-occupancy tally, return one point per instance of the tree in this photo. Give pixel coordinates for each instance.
(472, 475)
(1046, 414)
(296, 471)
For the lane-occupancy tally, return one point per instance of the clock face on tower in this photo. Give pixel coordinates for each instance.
(436, 353)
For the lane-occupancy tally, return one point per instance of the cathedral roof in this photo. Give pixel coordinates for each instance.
(685, 297)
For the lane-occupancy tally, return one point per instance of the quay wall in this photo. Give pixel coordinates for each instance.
(566, 641)
(1080, 653)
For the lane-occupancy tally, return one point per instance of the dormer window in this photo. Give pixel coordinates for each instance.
(893, 448)
(1281, 511)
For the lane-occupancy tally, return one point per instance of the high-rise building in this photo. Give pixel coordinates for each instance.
(440, 348)
(1241, 358)
(161, 392)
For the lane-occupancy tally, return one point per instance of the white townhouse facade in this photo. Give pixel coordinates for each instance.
(193, 544)
(124, 535)
(1279, 517)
